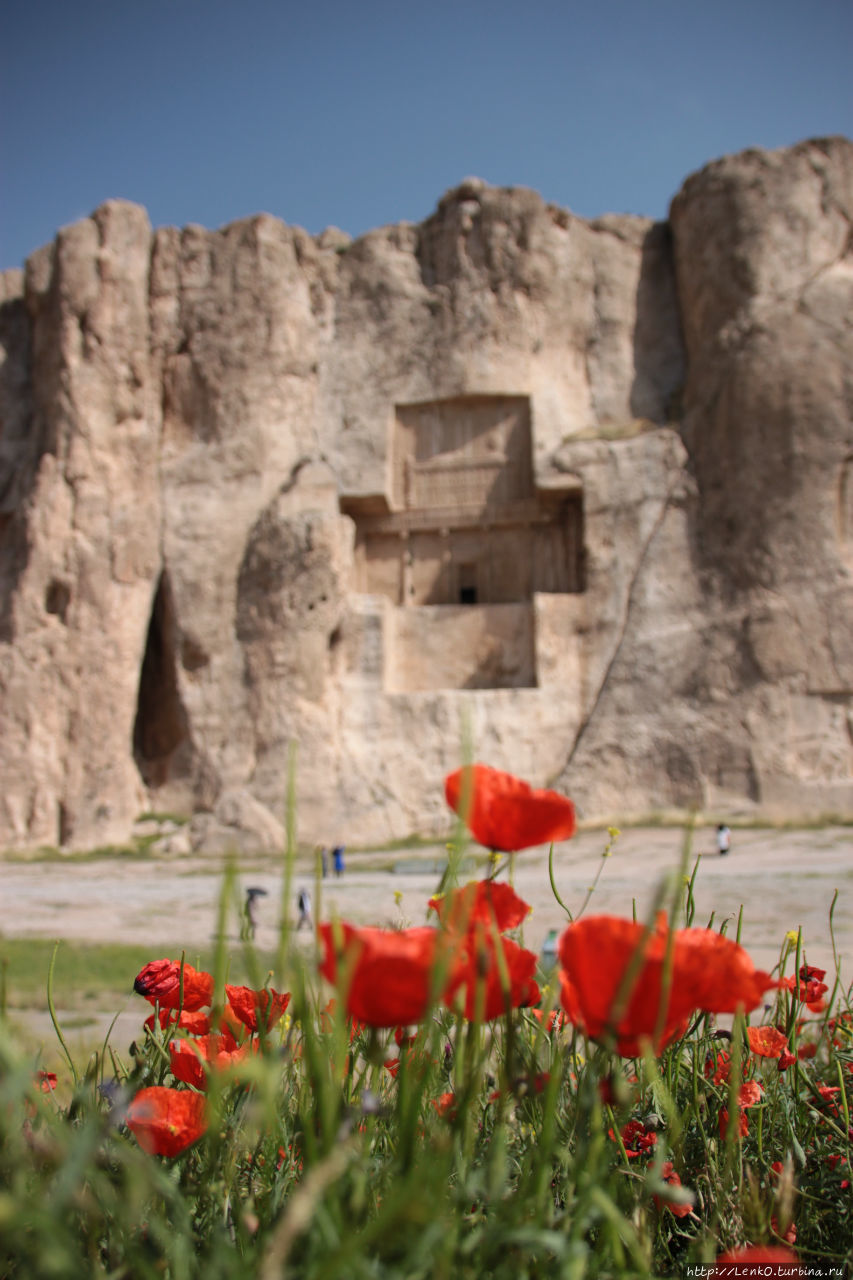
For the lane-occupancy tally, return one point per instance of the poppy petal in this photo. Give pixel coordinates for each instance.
(492, 983)
(482, 901)
(766, 1042)
(166, 1121)
(389, 972)
(502, 812)
(173, 985)
(708, 973)
(247, 1004)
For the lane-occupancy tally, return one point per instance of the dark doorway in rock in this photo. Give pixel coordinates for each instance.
(161, 738)
(467, 584)
(57, 598)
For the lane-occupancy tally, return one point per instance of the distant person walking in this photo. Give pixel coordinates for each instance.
(303, 903)
(724, 839)
(338, 859)
(250, 913)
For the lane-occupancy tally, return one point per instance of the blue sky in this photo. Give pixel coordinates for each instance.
(359, 115)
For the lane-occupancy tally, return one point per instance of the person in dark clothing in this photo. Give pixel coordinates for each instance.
(303, 903)
(250, 913)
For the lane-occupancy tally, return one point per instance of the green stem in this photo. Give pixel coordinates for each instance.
(52, 1011)
(553, 885)
(289, 855)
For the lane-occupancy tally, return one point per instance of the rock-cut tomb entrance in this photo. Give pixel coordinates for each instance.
(450, 560)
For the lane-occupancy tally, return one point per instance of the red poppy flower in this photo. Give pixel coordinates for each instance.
(166, 1121)
(46, 1081)
(445, 1106)
(669, 1176)
(502, 812)
(187, 1059)
(327, 1021)
(722, 975)
(718, 1068)
(595, 954)
(406, 1044)
(754, 1260)
(389, 972)
(766, 1042)
(636, 1139)
(828, 1094)
(196, 1024)
(160, 982)
(709, 973)
(486, 902)
(607, 1094)
(536, 1083)
(556, 1021)
(805, 988)
(742, 1124)
(786, 1060)
(789, 1235)
(749, 1094)
(841, 1024)
(415, 1062)
(190, 1058)
(492, 984)
(247, 1004)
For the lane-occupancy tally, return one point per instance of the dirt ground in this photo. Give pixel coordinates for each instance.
(783, 880)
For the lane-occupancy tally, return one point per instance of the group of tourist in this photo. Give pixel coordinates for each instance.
(303, 897)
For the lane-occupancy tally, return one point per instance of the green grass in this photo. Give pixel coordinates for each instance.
(657, 819)
(412, 841)
(625, 430)
(317, 1163)
(179, 819)
(500, 1150)
(92, 975)
(139, 849)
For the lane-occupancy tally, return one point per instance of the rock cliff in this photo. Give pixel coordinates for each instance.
(583, 490)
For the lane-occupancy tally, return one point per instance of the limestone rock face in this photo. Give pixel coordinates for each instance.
(82, 529)
(274, 502)
(749, 702)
